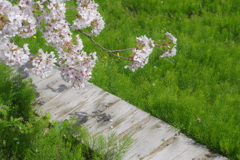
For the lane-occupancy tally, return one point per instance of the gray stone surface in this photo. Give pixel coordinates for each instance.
(102, 112)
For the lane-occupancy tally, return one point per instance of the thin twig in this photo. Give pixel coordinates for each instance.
(163, 45)
(13, 41)
(71, 8)
(70, 15)
(110, 51)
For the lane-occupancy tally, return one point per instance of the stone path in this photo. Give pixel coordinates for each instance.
(153, 138)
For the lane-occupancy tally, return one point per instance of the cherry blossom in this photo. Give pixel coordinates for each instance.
(75, 64)
(42, 64)
(11, 19)
(141, 53)
(12, 55)
(88, 17)
(169, 53)
(80, 72)
(174, 40)
(173, 51)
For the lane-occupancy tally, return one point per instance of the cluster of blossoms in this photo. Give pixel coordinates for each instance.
(12, 55)
(56, 31)
(28, 20)
(173, 51)
(42, 63)
(78, 72)
(88, 16)
(75, 64)
(15, 20)
(141, 53)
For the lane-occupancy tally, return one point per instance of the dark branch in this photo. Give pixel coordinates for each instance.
(70, 15)
(110, 51)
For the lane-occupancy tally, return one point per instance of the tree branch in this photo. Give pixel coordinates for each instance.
(163, 45)
(110, 51)
(70, 15)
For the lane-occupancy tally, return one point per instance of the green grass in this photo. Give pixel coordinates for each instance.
(200, 83)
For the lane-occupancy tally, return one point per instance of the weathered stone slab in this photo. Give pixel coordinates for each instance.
(180, 146)
(151, 142)
(102, 113)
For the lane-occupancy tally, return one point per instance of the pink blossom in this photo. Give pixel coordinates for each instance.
(172, 52)
(42, 64)
(12, 55)
(141, 54)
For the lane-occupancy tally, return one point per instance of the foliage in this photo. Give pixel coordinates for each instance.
(18, 122)
(110, 148)
(16, 93)
(16, 134)
(56, 142)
